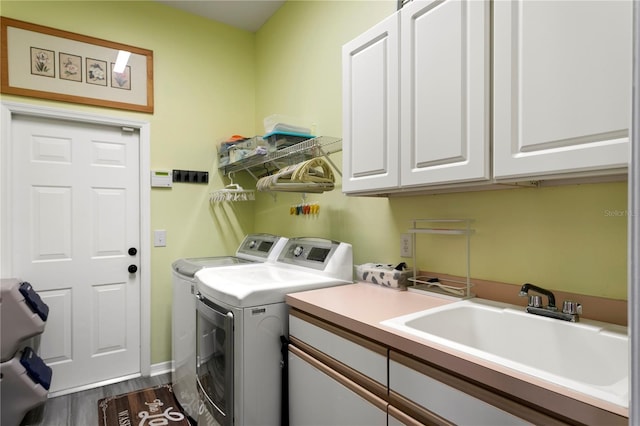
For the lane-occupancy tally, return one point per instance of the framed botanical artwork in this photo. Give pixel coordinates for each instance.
(96, 72)
(49, 63)
(70, 67)
(121, 80)
(43, 62)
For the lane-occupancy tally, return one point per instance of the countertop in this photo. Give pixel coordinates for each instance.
(360, 307)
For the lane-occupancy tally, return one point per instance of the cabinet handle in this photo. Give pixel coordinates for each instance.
(380, 403)
(403, 417)
(415, 411)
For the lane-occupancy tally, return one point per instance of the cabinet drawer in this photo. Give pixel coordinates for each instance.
(364, 356)
(319, 395)
(412, 388)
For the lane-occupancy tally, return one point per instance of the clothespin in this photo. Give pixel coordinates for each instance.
(304, 208)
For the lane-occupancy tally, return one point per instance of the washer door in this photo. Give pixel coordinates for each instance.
(215, 361)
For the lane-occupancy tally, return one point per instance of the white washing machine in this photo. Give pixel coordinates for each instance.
(241, 317)
(255, 248)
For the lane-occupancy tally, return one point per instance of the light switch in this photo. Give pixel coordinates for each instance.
(160, 238)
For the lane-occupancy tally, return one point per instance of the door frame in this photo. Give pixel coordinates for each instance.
(8, 111)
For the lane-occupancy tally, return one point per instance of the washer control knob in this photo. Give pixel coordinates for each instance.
(297, 252)
(253, 244)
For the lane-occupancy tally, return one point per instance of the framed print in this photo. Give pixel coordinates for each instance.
(48, 63)
(121, 80)
(70, 67)
(96, 72)
(43, 62)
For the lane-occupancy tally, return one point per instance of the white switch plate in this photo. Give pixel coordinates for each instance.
(406, 245)
(160, 238)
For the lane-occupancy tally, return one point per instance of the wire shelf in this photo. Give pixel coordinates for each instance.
(315, 147)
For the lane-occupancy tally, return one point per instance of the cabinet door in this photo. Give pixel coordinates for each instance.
(370, 360)
(444, 92)
(320, 396)
(370, 65)
(443, 401)
(562, 86)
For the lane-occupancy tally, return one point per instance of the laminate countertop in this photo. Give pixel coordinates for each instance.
(360, 307)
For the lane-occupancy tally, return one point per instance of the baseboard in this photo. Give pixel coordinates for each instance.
(161, 368)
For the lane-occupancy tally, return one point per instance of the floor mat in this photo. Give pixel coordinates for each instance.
(146, 407)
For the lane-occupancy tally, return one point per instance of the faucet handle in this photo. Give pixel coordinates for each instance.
(535, 301)
(571, 307)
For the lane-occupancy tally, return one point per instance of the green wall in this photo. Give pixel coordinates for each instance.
(204, 81)
(212, 81)
(570, 238)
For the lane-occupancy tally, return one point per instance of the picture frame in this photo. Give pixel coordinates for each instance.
(121, 80)
(96, 72)
(70, 67)
(49, 63)
(41, 62)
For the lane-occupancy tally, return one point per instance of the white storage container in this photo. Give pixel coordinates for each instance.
(22, 316)
(24, 386)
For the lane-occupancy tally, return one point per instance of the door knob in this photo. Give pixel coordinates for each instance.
(133, 251)
(133, 269)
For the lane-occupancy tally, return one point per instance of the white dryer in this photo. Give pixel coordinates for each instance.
(255, 248)
(241, 317)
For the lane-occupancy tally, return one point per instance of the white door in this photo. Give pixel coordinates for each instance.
(370, 102)
(74, 195)
(562, 86)
(444, 92)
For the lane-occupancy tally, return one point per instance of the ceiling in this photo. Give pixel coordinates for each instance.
(248, 15)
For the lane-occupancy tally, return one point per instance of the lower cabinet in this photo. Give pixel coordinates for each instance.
(339, 378)
(432, 396)
(318, 395)
(335, 377)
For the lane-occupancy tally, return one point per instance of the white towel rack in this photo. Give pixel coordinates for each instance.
(231, 193)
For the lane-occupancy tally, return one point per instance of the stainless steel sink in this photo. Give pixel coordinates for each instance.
(590, 357)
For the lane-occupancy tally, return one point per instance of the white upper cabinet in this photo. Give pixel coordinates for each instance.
(559, 94)
(562, 87)
(445, 48)
(370, 66)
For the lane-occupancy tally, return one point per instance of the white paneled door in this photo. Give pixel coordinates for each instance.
(74, 194)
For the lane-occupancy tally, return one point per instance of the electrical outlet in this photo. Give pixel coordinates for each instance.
(406, 245)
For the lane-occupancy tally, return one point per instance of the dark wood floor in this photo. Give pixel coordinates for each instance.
(81, 408)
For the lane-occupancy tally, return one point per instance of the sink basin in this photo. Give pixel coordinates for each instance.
(590, 357)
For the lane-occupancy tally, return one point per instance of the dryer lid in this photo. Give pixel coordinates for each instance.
(259, 284)
(189, 266)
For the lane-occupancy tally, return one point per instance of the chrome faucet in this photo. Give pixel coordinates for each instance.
(571, 311)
